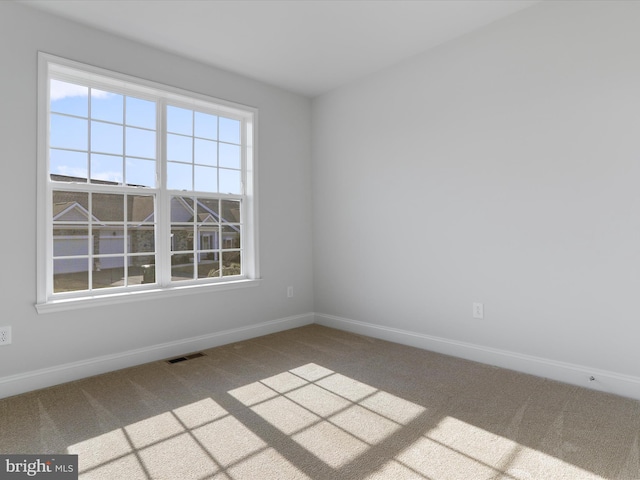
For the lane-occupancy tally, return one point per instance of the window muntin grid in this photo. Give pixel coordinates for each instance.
(109, 143)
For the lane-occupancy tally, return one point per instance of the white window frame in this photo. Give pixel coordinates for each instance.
(50, 66)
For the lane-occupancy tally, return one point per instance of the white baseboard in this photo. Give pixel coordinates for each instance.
(606, 381)
(47, 377)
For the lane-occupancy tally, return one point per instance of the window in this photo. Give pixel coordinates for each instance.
(144, 187)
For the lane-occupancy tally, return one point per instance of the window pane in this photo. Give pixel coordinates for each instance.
(107, 106)
(107, 168)
(141, 239)
(69, 98)
(208, 237)
(113, 159)
(206, 152)
(70, 240)
(230, 211)
(179, 176)
(141, 173)
(140, 208)
(229, 156)
(231, 264)
(68, 132)
(108, 240)
(214, 271)
(108, 272)
(107, 207)
(180, 148)
(208, 265)
(179, 120)
(72, 166)
(229, 130)
(141, 270)
(208, 210)
(182, 267)
(206, 126)
(141, 113)
(181, 209)
(70, 206)
(229, 181)
(206, 179)
(106, 137)
(181, 238)
(231, 236)
(70, 274)
(140, 143)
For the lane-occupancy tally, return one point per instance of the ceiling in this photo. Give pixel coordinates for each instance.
(305, 46)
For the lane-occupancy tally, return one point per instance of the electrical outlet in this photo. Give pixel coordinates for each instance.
(5, 335)
(478, 310)
(289, 292)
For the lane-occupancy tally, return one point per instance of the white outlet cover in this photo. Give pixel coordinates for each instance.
(7, 332)
(478, 310)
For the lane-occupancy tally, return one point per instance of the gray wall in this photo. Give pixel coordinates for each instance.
(499, 168)
(55, 339)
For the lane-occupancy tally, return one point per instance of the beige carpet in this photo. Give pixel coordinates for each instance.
(319, 403)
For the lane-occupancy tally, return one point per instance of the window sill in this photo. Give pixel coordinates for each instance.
(62, 305)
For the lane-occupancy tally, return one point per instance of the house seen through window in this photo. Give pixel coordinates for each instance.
(145, 187)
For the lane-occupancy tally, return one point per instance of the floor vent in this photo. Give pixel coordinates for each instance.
(186, 357)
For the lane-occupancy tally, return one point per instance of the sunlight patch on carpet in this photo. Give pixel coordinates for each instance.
(334, 417)
(478, 453)
(333, 420)
(198, 440)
